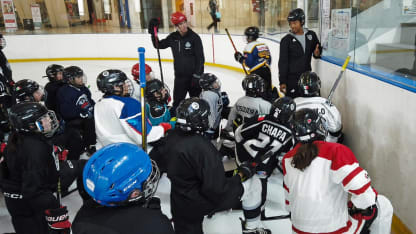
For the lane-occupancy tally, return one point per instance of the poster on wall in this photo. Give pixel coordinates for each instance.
(409, 7)
(36, 16)
(8, 15)
(339, 36)
(189, 6)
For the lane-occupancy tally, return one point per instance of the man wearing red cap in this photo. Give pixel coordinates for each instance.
(188, 56)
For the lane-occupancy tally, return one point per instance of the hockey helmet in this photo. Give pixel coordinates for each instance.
(297, 14)
(177, 18)
(208, 80)
(29, 91)
(254, 85)
(53, 70)
(252, 33)
(157, 91)
(2, 42)
(72, 72)
(33, 117)
(309, 126)
(192, 115)
(119, 174)
(283, 111)
(135, 71)
(112, 81)
(309, 84)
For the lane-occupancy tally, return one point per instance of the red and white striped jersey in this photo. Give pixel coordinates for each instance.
(317, 197)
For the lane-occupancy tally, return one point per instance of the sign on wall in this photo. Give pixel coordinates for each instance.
(339, 37)
(36, 16)
(8, 15)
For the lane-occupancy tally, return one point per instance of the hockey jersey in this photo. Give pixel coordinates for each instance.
(258, 136)
(256, 55)
(158, 113)
(118, 119)
(329, 112)
(75, 102)
(317, 197)
(247, 107)
(215, 105)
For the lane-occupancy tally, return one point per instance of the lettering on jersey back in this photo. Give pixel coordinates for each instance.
(274, 131)
(247, 110)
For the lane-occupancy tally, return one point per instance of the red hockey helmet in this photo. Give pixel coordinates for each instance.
(177, 18)
(135, 70)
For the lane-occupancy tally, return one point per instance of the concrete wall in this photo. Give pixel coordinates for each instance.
(379, 119)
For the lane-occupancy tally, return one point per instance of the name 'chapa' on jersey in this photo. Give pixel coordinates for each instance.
(274, 131)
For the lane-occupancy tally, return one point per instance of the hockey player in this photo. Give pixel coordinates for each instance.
(29, 91)
(257, 58)
(76, 106)
(118, 116)
(122, 193)
(6, 101)
(188, 56)
(54, 72)
(309, 86)
(157, 100)
(251, 105)
(296, 51)
(31, 172)
(268, 134)
(198, 184)
(135, 72)
(318, 178)
(218, 101)
(5, 68)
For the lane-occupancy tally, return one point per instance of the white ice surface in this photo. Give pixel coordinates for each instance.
(226, 222)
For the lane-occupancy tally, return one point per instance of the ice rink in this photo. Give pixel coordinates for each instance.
(226, 222)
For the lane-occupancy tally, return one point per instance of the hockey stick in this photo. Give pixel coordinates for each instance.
(268, 218)
(141, 51)
(331, 93)
(158, 54)
(235, 49)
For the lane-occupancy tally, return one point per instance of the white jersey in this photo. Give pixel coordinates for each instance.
(215, 105)
(328, 111)
(136, 90)
(118, 119)
(317, 196)
(248, 107)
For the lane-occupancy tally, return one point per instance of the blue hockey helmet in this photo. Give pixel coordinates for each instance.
(117, 171)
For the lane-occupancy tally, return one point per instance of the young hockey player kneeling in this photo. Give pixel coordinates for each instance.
(157, 98)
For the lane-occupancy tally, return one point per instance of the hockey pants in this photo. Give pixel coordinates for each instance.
(182, 85)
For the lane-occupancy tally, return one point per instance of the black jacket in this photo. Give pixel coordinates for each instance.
(293, 61)
(196, 172)
(188, 52)
(5, 67)
(134, 219)
(52, 89)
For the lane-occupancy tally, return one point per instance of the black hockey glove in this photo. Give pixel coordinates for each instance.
(239, 57)
(225, 99)
(58, 220)
(247, 169)
(367, 215)
(152, 24)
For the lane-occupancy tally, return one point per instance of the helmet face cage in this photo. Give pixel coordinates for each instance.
(208, 80)
(192, 115)
(297, 15)
(73, 72)
(47, 124)
(113, 82)
(155, 90)
(254, 85)
(309, 84)
(310, 126)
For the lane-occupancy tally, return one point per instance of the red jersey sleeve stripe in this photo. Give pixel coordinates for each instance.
(360, 190)
(286, 202)
(351, 176)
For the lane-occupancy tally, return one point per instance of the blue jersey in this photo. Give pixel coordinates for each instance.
(74, 102)
(256, 55)
(158, 113)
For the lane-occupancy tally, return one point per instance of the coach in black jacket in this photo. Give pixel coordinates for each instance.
(296, 50)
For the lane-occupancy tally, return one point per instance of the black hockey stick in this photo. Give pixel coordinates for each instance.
(277, 217)
(158, 54)
(235, 49)
(331, 93)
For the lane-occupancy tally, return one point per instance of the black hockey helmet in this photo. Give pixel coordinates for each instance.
(309, 84)
(207, 80)
(252, 33)
(25, 90)
(111, 82)
(192, 115)
(297, 14)
(283, 111)
(254, 85)
(156, 86)
(72, 72)
(52, 70)
(309, 126)
(30, 117)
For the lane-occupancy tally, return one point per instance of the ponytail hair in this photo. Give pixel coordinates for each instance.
(304, 156)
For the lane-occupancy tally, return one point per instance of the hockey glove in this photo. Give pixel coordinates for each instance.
(58, 219)
(366, 215)
(225, 99)
(239, 57)
(152, 24)
(60, 152)
(166, 126)
(247, 169)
